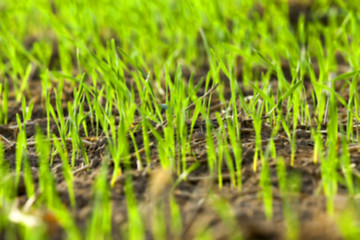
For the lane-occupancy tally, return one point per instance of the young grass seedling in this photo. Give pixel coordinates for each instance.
(99, 226)
(289, 185)
(46, 181)
(66, 169)
(21, 160)
(4, 93)
(257, 123)
(135, 229)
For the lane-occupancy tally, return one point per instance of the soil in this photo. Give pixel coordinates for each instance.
(195, 194)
